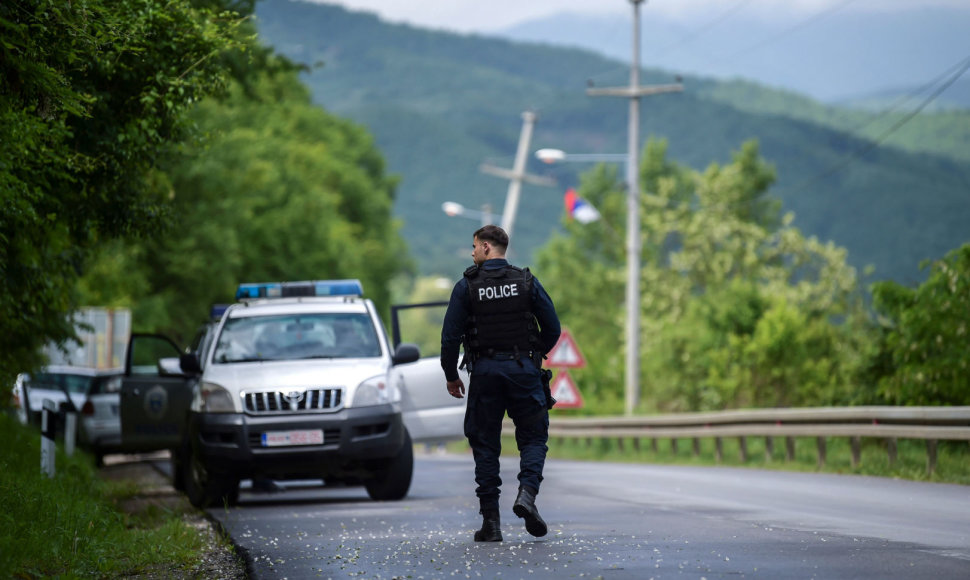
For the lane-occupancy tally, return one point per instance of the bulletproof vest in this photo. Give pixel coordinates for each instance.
(501, 312)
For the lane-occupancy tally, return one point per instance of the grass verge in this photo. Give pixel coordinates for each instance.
(70, 525)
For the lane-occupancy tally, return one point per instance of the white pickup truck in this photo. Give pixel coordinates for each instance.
(297, 380)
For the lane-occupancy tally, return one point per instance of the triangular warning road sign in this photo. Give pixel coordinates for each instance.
(565, 354)
(565, 392)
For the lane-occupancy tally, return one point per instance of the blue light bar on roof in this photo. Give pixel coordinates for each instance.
(307, 288)
(216, 312)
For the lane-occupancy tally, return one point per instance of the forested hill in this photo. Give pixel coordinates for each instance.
(441, 104)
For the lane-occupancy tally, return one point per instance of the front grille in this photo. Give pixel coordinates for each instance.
(293, 401)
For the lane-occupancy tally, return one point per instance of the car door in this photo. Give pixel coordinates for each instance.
(154, 400)
(431, 415)
(101, 413)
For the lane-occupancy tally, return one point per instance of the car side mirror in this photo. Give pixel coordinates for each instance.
(168, 366)
(189, 363)
(406, 353)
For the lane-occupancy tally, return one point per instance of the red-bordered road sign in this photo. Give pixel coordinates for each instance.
(565, 392)
(566, 353)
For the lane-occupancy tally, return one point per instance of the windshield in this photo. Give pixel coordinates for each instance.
(74, 384)
(297, 336)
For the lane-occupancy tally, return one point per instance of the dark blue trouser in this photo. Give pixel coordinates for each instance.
(498, 386)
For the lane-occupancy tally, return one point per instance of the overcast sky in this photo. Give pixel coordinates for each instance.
(492, 15)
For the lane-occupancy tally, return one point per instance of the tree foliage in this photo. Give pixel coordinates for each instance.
(738, 308)
(92, 97)
(278, 190)
(925, 335)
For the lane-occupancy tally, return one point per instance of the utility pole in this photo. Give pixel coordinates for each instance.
(517, 175)
(633, 243)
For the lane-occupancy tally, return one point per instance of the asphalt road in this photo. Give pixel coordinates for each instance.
(614, 521)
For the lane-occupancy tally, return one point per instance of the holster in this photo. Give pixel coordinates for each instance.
(546, 376)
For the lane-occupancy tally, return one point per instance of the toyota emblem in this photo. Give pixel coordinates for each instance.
(294, 397)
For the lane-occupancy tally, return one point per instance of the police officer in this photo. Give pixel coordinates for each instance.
(507, 323)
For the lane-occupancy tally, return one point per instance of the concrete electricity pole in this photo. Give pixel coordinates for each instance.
(518, 174)
(633, 244)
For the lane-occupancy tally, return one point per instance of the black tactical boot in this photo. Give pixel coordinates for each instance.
(491, 527)
(525, 507)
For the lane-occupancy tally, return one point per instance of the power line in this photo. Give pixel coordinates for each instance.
(689, 37)
(792, 29)
(693, 34)
(900, 100)
(961, 68)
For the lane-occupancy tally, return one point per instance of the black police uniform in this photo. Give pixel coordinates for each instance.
(508, 323)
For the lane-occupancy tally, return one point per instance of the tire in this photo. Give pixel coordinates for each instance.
(178, 467)
(392, 481)
(205, 488)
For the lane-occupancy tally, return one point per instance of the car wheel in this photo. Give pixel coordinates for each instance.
(178, 467)
(393, 480)
(204, 487)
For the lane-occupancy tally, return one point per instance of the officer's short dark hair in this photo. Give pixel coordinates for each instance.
(493, 235)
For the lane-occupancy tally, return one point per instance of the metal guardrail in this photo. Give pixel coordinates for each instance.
(931, 424)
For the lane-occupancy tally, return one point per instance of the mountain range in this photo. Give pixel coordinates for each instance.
(845, 57)
(440, 104)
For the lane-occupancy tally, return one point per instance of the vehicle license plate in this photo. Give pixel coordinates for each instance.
(281, 438)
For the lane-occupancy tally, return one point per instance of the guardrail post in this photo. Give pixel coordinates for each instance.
(697, 446)
(673, 445)
(70, 433)
(891, 450)
(790, 448)
(856, 444)
(930, 456)
(48, 431)
(636, 445)
(718, 450)
(653, 444)
(620, 444)
(821, 451)
(743, 449)
(769, 448)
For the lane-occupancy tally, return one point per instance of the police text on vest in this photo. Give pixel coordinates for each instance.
(493, 292)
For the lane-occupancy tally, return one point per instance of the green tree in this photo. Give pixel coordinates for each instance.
(737, 307)
(278, 190)
(925, 332)
(93, 95)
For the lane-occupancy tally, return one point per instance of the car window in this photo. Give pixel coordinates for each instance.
(420, 324)
(77, 384)
(297, 336)
(74, 384)
(145, 352)
(103, 385)
(44, 381)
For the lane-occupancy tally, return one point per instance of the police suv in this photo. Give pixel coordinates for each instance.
(296, 381)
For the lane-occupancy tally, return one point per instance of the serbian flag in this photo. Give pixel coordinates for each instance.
(580, 209)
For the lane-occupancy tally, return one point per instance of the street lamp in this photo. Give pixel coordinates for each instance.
(632, 381)
(455, 209)
(558, 155)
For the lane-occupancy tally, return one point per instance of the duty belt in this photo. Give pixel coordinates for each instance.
(507, 355)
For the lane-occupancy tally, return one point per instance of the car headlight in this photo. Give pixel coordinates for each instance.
(375, 391)
(212, 398)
